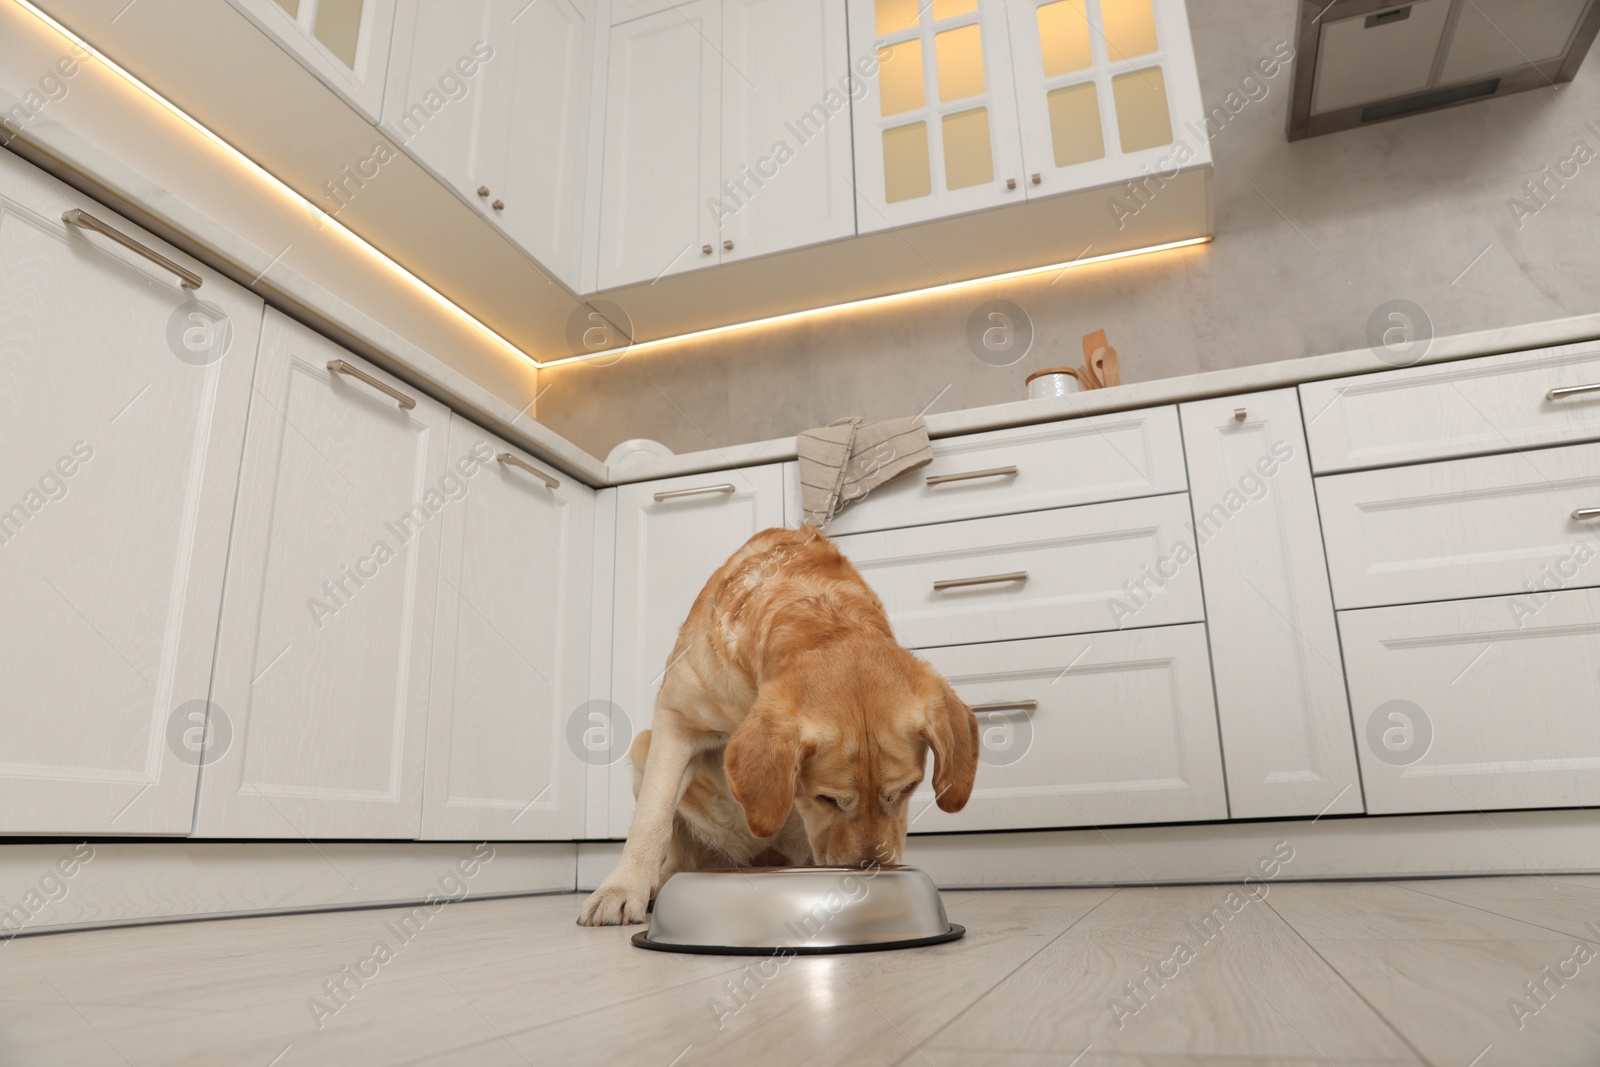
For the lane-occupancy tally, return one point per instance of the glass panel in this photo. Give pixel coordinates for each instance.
(900, 78)
(1075, 124)
(1130, 28)
(967, 158)
(949, 9)
(1064, 37)
(291, 6)
(895, 15)
(339, 27)
(905, 163)
(959, 53)
(1141, 99)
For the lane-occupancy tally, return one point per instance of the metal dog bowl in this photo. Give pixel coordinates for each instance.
(797, 910)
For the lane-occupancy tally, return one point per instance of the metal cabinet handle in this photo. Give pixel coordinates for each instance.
(1586, 513)
(1240, 414)
(988, 579)
(499, 205)
(1572, 390)
(675, 494)
(339, 366)
(705, 250)
(727, 246)
(992, 472)
(1006, 705)
(483, 191)
(187, 278)
(515, 460)
(1011, 183)
(1036, 179)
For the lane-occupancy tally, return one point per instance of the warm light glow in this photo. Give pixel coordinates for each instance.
(323, 218)
(604, 355)
(455, 309)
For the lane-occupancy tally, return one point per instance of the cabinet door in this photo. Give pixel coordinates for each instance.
(786, 178)
(1101, 89)
(1110, 728)
(662, 145)
(511, 656)
(543, 82)
(1477, 704)
(122, 406)
(671, 535)
(327, 618)
(936, 127)
(1274, 646)
(345, 43)
(443, 116)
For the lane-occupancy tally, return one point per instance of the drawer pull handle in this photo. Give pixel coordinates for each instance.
(992, 472)
(675, 494)
(1586, 513)
(339, 366)
(988, 579)
(1572, 390)
(1006, 705)
(187, 278)
(514, 460)
(1240, 414)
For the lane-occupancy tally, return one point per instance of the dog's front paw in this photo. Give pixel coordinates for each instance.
(615, 905)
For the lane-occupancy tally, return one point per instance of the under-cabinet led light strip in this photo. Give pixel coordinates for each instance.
(603, 356)
(455, 309)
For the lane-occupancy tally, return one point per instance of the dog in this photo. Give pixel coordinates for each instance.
(791, 729)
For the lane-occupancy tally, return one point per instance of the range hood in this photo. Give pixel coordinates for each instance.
(1364, 61)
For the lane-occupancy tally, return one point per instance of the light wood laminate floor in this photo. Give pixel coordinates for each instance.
(1344, 974)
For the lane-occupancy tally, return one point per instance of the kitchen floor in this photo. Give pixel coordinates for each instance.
(1344, 973)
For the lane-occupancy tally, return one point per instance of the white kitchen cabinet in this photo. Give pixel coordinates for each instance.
(1028, 468)
(345, 43)
(715, 147)
(1274, 644)
(786, 156)
(936, 122)
(662, 156)
(1043, 573)
(1463, 408)
(122, 407)
(1099, 730)
(328, 612)
(511, 648)
(1464, 528)
(1474, 705)
(672, 534)
(1101, 89)
(493, 98)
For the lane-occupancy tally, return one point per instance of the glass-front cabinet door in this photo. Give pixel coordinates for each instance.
(1101, 88)
(935, 117)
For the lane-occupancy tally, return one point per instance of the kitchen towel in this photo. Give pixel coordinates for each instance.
(848, 458)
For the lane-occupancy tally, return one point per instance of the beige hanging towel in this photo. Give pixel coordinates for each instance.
(848, 458)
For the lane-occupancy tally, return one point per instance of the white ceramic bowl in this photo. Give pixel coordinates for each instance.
(798, 910)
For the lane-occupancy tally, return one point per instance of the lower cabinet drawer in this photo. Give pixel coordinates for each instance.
(1464, 528)
(1477, 704)
(1094, 730)
(1045, 573)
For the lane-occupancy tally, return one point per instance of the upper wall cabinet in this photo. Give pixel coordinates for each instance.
(494, 100)
(726, 136)
(343, 42)
(978, 103)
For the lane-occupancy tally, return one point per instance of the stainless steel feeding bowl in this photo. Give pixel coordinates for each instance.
(797, 910)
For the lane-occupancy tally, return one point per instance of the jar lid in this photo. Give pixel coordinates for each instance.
(1051, 370)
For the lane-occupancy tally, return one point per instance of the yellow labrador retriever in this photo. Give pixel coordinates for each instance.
(790, 729)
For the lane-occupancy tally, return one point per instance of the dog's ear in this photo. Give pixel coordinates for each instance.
(951, 730)
(762, 762)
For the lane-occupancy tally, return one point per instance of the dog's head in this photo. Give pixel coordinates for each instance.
(844, 737)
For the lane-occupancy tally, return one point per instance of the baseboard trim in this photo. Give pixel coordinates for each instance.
(52, 887)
